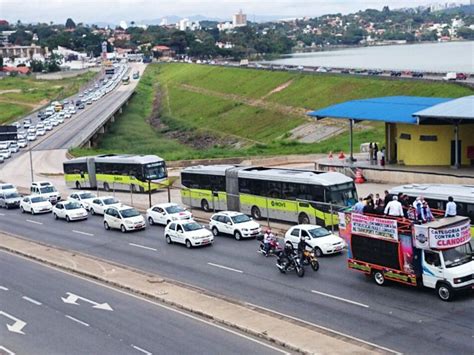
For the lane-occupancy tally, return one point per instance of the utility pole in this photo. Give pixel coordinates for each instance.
(31, 165)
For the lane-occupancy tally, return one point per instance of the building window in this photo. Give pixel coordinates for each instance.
(428, 138)
(405, 136)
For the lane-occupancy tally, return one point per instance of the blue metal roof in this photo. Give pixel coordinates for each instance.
(392, 109)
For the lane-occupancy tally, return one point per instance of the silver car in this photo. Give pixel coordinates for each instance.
(10, 200)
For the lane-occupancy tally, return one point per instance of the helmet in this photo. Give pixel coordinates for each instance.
(288, 248)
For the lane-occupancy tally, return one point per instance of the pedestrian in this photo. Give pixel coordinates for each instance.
(387, 198)
(376, 152)
(417, 205)
(394, 208)
(382, 159)
(371, 152)
(426, 215)
(405, 204)
(359, 206)
(379, 204)
(451, 208)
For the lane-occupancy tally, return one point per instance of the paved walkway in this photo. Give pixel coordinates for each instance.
(293, 335)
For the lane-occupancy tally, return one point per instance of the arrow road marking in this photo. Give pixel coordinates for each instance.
(77, 320)
(72, 299)
(38, 303)
(340, 299)
(15, 327)
(6, 351)
(225, 268)
(141, 350)
(142, 246)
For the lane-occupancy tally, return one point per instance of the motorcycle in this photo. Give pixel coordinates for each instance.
(309, 258)
(274, 249)
(289, 263)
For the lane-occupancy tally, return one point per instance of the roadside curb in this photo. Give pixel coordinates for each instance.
(299, 336)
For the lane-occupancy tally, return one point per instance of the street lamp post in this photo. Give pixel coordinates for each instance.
(31, 166)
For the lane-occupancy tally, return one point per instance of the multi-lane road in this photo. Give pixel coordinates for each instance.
(71, 315)
(397, 317)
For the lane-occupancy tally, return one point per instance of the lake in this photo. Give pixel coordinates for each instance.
(428, 57)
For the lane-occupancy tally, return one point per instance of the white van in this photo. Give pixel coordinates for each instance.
(45, 189)
(450, 76)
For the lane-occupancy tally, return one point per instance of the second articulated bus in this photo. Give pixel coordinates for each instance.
(285, 194)
(118, 172)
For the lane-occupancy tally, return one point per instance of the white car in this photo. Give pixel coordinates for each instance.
(31, 137)
(234, 223)
(26, 124)
(60, 119)
(48, 127)
(100, 204)
(124, 218)
(14, 148)
(22, 143)
(84, 198)
(45, 189)
(67, 115)
(70, 210)
(40, 132)
(35, 204)
(189, 233)
(7, 188)
(5, 153)
(165, 213)
(320, 239)
(31, 130)
(54, 122)
(72, 110)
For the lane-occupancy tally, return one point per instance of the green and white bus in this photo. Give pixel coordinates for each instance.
(292, 195)
(437, 197)
(118, 172)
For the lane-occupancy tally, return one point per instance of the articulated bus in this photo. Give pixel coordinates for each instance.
(119, 172)
(283, 194)
(437, 196)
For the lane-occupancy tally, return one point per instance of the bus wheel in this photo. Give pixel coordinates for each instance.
(205, 205)
(106, 186)
(78, 185)
(378, 277)
(256, 212)
(303, 218)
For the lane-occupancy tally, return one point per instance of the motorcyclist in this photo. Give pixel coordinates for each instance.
(267, 238)
(286, 256)
(302, 246)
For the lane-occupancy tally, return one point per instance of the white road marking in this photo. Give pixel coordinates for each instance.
(188, 315)
(83, 233)
(340, 299)
(7, 351)
(3, 288)
(2, 214)
(38, 303)
(77, 320)
(34, 222)
(141, 350)
(142, 246)
(225, 268)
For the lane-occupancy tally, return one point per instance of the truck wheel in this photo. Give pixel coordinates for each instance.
(445, 291)
(379, 278)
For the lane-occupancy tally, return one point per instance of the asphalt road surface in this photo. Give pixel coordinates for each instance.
(71, 315)
(397, 317)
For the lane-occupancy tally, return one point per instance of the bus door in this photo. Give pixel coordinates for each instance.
(91, 172)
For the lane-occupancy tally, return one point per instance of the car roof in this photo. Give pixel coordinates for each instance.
(104, 197)
(229, 213)
(306, 226)
(164, 205)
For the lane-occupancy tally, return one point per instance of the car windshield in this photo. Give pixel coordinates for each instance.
(47, 189)
(110, 201)
(130, 212)
(38, 199)
(7, 187)
(319, 232)
(72, 206)
(174, 209)
(241, 218)
(87, 195)
(189, 227)
(457, 256)
(12, 195)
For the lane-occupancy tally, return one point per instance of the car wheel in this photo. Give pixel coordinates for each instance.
(32, 211)
(78, 185)
(237, 235)
(379, 278)
(106, 186)
(215, 231)
(205, 205)
(256, 213)
(106, 226)
(188, 244)
(444, 291)
(68, 219)
(303, 218)
(318, 252)
(168, 239)
(92, 211)
(55, 216)
(150, 221)
(123, 229)
(22, 210)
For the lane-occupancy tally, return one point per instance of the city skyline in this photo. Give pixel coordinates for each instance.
(109, 11)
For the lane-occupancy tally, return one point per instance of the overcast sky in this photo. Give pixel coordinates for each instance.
(113, 11)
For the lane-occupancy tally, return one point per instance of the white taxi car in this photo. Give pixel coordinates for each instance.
(100, 204)
(69, 210)
(189, 233)
(35, 204)
(84, 198)
(125, 218)
(319, 238)
(165, 213)
(234, 223)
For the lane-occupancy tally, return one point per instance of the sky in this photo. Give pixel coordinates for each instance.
(113, 11)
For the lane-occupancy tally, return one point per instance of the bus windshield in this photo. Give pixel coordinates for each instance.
(457, 256)
(155, 171)
(342, 195)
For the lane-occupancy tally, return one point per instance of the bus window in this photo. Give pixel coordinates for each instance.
(155, 171)
(273, 189)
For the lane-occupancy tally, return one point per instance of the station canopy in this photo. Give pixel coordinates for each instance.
(391, 109)
(461, 109)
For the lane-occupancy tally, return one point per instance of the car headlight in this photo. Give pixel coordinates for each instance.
(245, 230)
(327, 245)
(174, 218)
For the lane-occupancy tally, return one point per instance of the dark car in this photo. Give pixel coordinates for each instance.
(345, 71)
(41, 115)
(78, 103)
(417, 75)
(81, 106)
(395, 73)
(461, 76)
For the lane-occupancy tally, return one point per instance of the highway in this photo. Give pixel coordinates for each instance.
(71, 315)
(397, 317)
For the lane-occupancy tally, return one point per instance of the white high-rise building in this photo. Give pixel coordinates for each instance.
(240, 19)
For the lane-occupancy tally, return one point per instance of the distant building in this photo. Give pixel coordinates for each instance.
(185, 24)
(4, 36)
(225, 26)
(240, 19)
(163, 52)
(20, 51)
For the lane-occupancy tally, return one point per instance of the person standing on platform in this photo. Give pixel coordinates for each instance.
(451, 208)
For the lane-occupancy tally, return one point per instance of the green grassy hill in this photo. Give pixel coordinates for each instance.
(184, 111)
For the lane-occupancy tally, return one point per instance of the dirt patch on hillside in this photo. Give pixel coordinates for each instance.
(278, 89)
(10, 91)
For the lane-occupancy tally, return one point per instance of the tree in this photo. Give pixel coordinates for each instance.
(70, 24)
(36, 66)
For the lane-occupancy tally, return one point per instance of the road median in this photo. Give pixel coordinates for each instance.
(292, 334)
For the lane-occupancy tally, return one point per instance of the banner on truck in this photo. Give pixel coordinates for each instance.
(422, 236)
(450, 237)
(374, 227)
